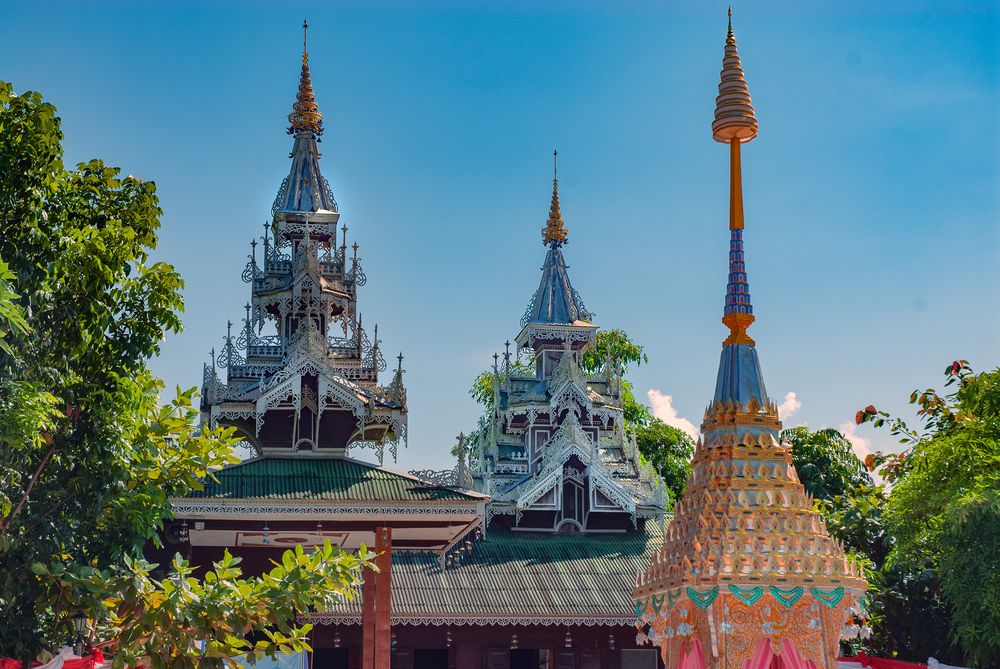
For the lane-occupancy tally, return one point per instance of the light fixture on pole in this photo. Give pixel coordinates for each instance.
(80, 626)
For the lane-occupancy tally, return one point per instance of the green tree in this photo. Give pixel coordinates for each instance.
(825, 462)
(88, 457)
(617, 348)
(944, 507)
(669, 450)
(164, 622)
(482, 387)
(11, 314)
(614, 345)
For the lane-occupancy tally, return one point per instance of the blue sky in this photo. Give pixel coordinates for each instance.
(872, 193)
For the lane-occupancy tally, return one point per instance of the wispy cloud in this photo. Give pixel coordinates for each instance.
(789, 406)
(663, 408)
(861, 445)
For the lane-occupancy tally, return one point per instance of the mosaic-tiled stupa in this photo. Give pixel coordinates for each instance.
(745, 558)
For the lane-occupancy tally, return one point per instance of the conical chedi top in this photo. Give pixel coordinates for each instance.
(555, 233)
(555, 301)
(747, 567)
(305, 112)
(305, 190)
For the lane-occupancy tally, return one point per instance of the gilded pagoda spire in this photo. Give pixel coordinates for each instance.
(305, 112)
(747, 569)
(555, 233)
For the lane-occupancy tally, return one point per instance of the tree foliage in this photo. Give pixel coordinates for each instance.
(615, 346)
(825, 462)
(164, 621)
(669, 450)
(482, 389)
(88, 456)
(944, 508)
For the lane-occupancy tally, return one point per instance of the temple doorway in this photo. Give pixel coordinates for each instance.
(430, 658)
(529, 658)
(331, 658)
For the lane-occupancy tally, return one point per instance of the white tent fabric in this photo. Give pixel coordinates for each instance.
(291, 661)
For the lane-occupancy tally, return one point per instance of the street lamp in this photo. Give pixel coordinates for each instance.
(80, 625)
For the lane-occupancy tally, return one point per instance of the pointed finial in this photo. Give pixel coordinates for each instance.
(305, 32)
(735, 118)
(305, 112)
(555, 233)
(399, 368)
(735, 123)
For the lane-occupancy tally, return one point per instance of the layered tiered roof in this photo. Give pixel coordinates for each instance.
(302, 374)
(552, 452)
(745, 557)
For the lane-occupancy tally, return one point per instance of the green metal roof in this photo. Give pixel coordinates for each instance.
(305, 478)
(533, 578)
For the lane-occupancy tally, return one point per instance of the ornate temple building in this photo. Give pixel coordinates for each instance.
(522, 556)
(748, 572)
(311, 383)
(553, 454)
(302, 387)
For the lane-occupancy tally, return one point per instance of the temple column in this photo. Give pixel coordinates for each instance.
(383, 597)
(368, 620)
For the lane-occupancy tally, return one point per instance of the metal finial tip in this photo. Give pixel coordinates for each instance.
(305, 30)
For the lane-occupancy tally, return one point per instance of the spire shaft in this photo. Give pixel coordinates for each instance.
(735, 186)
(735, 122)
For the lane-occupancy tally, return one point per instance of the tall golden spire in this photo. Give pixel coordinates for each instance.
(305, 112)
(735, 122)
(555, 231)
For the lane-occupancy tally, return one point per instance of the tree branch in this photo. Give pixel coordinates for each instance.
(5, 523)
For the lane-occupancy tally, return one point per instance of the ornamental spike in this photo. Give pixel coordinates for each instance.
(305, 112)
(555, 233)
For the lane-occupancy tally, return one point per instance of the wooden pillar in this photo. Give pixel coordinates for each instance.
(368, 621)
(383, 598)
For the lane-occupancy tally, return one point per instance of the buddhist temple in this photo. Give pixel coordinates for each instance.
(571, 514)
(748, 575)
(554, 455)
(303, 387)
(521, 556)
